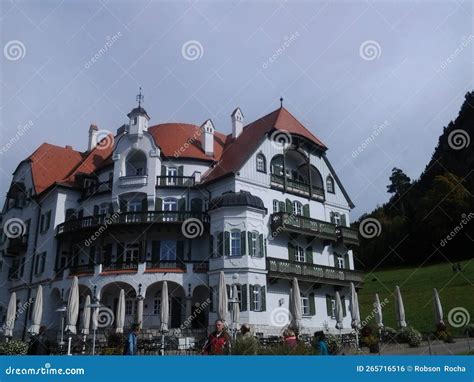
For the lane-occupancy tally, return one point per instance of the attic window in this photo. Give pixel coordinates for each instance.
(134, 121)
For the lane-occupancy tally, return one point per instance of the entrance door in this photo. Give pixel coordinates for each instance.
(176, 307)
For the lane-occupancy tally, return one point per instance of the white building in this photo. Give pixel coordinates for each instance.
(113, 216)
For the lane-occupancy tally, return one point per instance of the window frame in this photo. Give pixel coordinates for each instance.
(257, 298)
(235, 237)
(305, 309)
(166, 250)
(297, 208)
(300, 253)
(261, 163)
(330, 186)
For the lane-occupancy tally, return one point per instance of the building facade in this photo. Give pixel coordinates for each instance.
(182, 203)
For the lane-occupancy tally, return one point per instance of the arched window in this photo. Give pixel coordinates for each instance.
(261, 163)
(330, 184)
(136, 163)
(276, 165)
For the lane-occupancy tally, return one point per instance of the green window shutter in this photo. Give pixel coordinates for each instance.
(309, 255)
(243, 247)
(220, 244)
(211, 246)
(343, 220)
(182, 204)
(226, 243)
(249, 239)
(180, 174)
(260, 243)
(120, 248)
(306, 210)
(328, 305)
(275, 203)
(343, 301)
(158, 204)
(336, 263)
(227, 288)
(346, 261)
(163, 174)
(244, 297)
(312, 306)
(331, 217)
(49, 220)
(291, 252)
(251, 297)
(264, 299)
(282, 206)
(96, 210)
(265, 247)
(180, 251)
(211, 298)
(289, 206)
(144, 205)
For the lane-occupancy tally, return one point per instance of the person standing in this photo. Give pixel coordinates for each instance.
(131, 344)
(320, 343)
(289, 338)
(218, 342)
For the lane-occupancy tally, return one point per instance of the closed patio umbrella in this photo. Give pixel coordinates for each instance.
(339, 312)
(37, 312)
(295, 305)
(438, 308)
(120, 319)
(354, 306)
(164, 313)
(222, 305)
(73, 306)
(400, 309)
(86, 316)
(235, 309)
(378, 311)
(11, 316)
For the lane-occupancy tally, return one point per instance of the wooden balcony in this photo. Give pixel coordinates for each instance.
(93, 223)
(348, 236)
(120, 266)
(175, 181)
(17, 245)
(285, 222)
(165, 265)
(286, 269)
(295, 187)
(81, 269)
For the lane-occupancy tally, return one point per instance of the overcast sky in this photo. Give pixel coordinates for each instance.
(344, 69)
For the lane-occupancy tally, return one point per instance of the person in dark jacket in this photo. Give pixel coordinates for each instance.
(131, 347)
(39, 344)
(218, 342)
(320, 343)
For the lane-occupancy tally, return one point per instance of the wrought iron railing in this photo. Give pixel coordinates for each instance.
(175, 181)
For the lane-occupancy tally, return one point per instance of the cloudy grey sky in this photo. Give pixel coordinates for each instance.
(344, 69)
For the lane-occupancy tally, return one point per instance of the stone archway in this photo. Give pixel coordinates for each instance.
(200, 304)
(152, 305)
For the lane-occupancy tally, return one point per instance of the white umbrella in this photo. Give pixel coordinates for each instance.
(295, 306)
(222, 308)
(86, 316)
(37, 312)
(164, 313)
(11, 316)
(354, 306)
(400, 309)
(73, 306)
(235, 308)
(339, 312)
(438, 308)
(120, 320)
(378, 311)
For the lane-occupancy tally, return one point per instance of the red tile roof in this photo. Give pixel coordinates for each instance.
(58, 165)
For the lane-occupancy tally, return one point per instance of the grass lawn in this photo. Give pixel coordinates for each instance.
(416, 285)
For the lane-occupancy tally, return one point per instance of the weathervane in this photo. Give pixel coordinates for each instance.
(140, 97)
(281, 101)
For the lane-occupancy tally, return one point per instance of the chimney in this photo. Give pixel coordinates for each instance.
(93, 130)
(237, 122)
(207, 137)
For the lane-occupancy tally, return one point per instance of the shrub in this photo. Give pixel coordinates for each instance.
(389, 335)
(13, 347)
(410, 335)
(115, 340)
(112, 351)
(245, 346)
(334, 343)
(282, 349)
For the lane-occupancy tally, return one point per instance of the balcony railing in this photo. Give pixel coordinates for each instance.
(150, 217)
(17, 245)
(296, 187)
(121, 266)
(349, 236)
(80, 269)
(133, 181)
(166, 264)
(175, 181)
(283, 221)
(287, 269)
(96, 188)
(201, 267)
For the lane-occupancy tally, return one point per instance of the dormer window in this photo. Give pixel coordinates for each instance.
(134, 121)
(261, 163)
